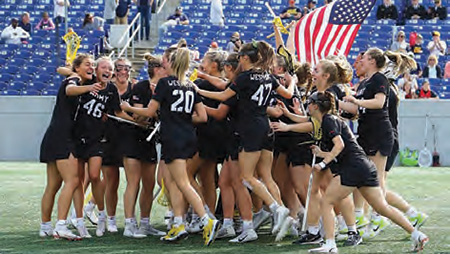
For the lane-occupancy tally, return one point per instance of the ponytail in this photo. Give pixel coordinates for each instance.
(260, 53)
(179, 63)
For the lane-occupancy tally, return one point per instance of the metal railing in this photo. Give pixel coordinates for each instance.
(130, 40)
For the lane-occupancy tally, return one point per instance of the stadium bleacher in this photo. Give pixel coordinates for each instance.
(248, 17)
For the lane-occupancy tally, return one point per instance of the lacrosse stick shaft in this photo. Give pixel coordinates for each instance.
(273, 34)
(308, 196)
(125, 121)
(153, 132)
(270, 9)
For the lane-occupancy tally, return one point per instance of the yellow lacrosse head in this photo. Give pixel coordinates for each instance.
(162, 198)
(73, 42)
(194, 75)
(317, 129)
(279, 24)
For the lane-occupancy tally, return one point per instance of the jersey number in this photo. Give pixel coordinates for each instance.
(258, 96)
(186, 97)
(94, 109)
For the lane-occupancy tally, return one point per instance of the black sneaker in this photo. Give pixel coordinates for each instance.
(353, 239)
(308, 238)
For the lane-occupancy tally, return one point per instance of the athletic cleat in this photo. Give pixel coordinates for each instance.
(89, 213)
(64, 232)
(111, 226)
(175, 234)
(375, 228)
(284, 228)
(419, 220)
(279, 217)
(246, 236)
(295, 228)
(131, 231)
(210, 231)
(353, 239)
(420, 242)
(195, 226)
(238, 226)
(46, 231)
(324, 249)
(341, 237)
(82, 230)
(361, 221)
(261, 218)
(168, 219)
(148, 229)
(226, 232)
(308, 238)
(101, 227)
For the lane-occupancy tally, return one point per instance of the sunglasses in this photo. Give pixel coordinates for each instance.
(121, 67)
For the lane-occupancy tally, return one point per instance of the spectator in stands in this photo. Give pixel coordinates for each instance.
(122, 10)
(235, 43)
(436, 46)
(46, 23)
(310, 7)
(291, 12)
(176, 19)
(216, 13)
(59, 12)
(408, 78)
(407, 92)
(417, 47)
(110, 11)
(13, 33)
(213, 47)
(415, 11)
(24, 22)
(91, 23)
(425, 92)
(144, 8)
(432, 69)
(387, 10)
(447, 70)
(400, 45)
(438, 11)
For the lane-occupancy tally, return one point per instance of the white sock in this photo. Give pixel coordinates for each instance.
(330, 243)
(145, 221)
(301, 209)
(352, 228)
(111, 218)
(359, 212)
(47, 224)
(205, 219)
(259, 212)
(194, 216)
(80, 222)
(412, 212)
(376, 216)
(102, 214)
(177, 221)
(128, 220)
(227, 222)
(247, 224)
(274, 206)
(60, 224)
(90, 206)
(415, 234)
(313, 229)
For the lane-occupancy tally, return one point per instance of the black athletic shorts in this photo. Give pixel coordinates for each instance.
(135, 146)
(85, 149)
(297, 153)
(395, 149)
(376, 137)
(173, 148)
(233, 147)
(359, 172)
(55, 147)
(212, 141)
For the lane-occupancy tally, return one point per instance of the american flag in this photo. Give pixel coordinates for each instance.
(330, 30)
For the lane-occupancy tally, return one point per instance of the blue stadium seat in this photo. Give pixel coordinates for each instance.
(18, 62)
(43, 77)
(37, 62)
(11, 69)
(16, 85)
(24, 54)
(435, 81)
(6, 77)
(39, 86)
(3, 62)
(30, 92)
(50, 92)
(3, 86)
(10, 92)
(22, 77)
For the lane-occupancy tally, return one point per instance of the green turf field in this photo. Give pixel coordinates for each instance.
(22, 185)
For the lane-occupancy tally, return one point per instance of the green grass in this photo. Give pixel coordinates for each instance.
(22, 184)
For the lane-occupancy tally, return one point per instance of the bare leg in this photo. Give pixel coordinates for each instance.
(68, 170)
(226, 190)
(133, 174)
(207, 176)
(98, 188)
(54, 182)
(112, 185)
(264, 169)
(148, 184)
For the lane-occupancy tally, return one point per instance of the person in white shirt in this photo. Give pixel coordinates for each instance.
(216, 13)
(436, 46)
(59, 12)
(13, 33)
(110, 11)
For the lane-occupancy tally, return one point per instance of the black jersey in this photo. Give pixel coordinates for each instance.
(176, 105)
(206, 85)
(393, 106)
(141, 94)
(333, 126)
(367, 90)
(90, 123)
(253, 89)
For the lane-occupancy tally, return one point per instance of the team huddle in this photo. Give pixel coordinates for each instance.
(278, 129)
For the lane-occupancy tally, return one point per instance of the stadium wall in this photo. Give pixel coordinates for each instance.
(25, 119)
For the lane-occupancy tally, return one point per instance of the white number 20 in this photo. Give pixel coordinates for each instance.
(187, 97)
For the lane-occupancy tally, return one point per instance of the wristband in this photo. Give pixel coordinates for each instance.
(322, 165)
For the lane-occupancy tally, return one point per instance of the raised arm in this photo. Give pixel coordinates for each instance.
(218, 96)
(375, 103)
(149, 111)
(215, 81)
(200, 115)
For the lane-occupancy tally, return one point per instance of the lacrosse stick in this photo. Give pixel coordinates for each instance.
(153, 132)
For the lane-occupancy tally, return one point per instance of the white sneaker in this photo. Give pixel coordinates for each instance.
(112, 226)
(226, 232)
(324, 249)
(168, 219)
(419, 242)
(295, 227)
(89, 213)
(82, 230)
(131, 231)
(46, 231)
(284, 228)
(64, 232)
(261, 218)
(246, 236)
(148, 229)
(279, 217)
(195, 226)
(101, 227)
